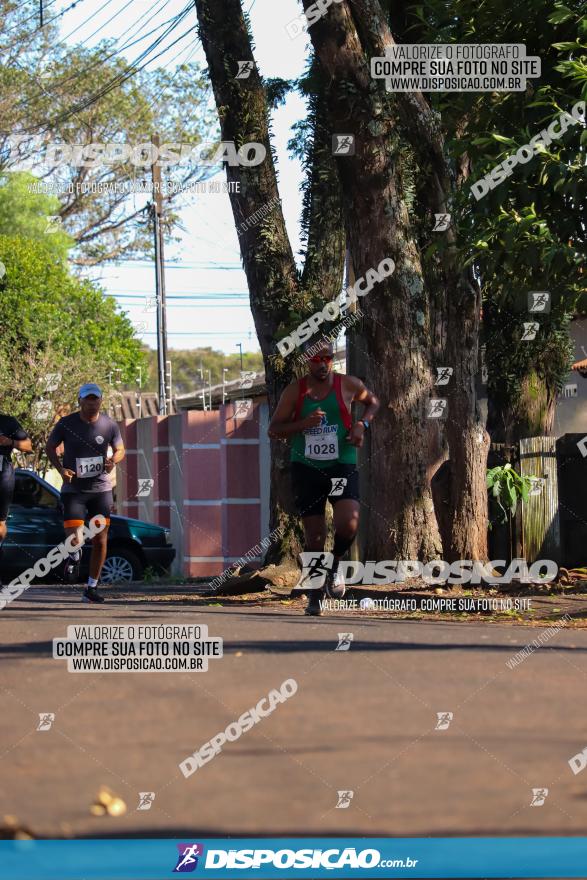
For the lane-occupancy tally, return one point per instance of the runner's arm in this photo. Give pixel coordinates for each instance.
(367, 398)
(118, 449)
(369, 401)
(20, 445)
(51, 450)
(119, 454)
(282, 424)
(17, 438)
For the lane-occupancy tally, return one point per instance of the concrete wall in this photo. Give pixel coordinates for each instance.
(210, 483)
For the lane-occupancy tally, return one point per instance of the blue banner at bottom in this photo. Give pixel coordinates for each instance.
(286, 857)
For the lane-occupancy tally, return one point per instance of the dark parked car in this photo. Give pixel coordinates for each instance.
(35, 525)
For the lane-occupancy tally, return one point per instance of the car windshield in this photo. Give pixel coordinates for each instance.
(29, 492)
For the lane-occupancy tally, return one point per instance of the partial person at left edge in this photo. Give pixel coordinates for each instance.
(12, 436)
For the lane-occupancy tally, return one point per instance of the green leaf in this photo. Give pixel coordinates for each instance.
(502, 139)
(560, 14)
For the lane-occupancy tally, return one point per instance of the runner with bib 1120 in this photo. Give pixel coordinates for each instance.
(87, 491)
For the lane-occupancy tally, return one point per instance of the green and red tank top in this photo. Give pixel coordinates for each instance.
(326, 444)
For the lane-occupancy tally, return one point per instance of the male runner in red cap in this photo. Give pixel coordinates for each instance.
(315, 412)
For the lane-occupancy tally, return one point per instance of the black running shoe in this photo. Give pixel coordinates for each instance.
(313, 607)
(334, 585)
(91, 594)
(71, 571)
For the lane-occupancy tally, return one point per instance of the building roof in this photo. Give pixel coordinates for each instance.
(235, 389)
(135, 405)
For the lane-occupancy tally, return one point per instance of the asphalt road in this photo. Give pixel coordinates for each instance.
(362, 720)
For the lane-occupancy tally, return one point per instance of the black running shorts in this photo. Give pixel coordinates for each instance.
(79, 506)
(313, 486)
(6, 488)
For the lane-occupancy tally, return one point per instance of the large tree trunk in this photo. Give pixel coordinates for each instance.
(276, 289)
(400, 329)
(523, 375)
(396, 327)
(467, 438)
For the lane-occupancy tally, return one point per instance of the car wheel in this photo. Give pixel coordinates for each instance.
(121, 566)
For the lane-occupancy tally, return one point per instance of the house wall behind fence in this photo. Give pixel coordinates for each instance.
(210, 473)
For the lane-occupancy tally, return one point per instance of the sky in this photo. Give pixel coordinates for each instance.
(208, 258)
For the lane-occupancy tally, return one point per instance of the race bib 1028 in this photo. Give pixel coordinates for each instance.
(322, 443)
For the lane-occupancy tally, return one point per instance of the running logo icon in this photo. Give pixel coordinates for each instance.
(245, 68)
(338, 485)
(437, 408)
(243, 409)
(54, 224)
(441, 222)
(187, 860)
(344, 641)
(530, 331)
(539, 795)
(344, 800)
(539, 301)
(46, 719)
(146, 799)
(443, 375)
(314, 569)
(444, 719)
(246, 380)
(144, 489)
(343, 145)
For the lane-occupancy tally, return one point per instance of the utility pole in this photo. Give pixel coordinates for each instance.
(240, 346)
(139, 393)
(41, 22)
(157, 213)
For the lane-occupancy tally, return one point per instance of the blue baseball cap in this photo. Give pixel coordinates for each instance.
(90, 388)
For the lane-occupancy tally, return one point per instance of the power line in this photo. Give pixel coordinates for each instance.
(135, 67)
(228, 267)
(102, 8)
(27, 40)
(100, 61)
(202, 333)
(36, 15)
(185, 293)
(46, 125)
(122, 78)
(190, 304)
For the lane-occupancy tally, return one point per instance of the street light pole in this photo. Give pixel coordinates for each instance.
(157, 211)
(169, 386)
(224, 372)
(240, 346)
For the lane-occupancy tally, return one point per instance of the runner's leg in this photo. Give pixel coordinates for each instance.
(6, 493)
(74, 512)
(311, 491)
(99, 547)
(314, 532)
(346, 523)
(99, 507)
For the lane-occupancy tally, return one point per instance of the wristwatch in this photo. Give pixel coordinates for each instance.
(365, 423)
